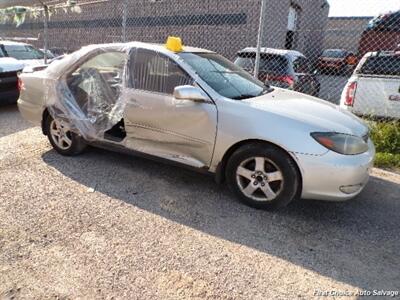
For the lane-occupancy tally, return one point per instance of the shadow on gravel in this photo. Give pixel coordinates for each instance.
(356, 242)
(11, 120)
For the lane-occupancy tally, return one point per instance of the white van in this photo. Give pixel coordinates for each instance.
(14, 57)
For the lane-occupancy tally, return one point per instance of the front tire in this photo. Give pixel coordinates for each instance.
(63, 140)
(263, 176)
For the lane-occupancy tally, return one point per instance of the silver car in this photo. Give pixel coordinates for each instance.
(196, 108)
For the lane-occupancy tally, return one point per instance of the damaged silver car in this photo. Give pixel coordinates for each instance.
(196, 108)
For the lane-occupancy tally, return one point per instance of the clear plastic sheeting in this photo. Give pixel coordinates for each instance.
(87, 95)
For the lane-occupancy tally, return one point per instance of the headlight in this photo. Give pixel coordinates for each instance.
(341, 143)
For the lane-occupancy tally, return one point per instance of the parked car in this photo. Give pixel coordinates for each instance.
(49, 55)
(14, 57)
(57, 51)
(374, 88)
(23, 52)
(194, 107)
(382, 33)
(287, 69)
(337, 61)
(9, 68)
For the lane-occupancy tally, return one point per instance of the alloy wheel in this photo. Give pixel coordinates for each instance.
(259, 179)
(61, 134)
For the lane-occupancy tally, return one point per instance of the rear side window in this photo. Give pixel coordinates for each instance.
(106, 62)
(382, 65)
(274, 64)
(155, 72)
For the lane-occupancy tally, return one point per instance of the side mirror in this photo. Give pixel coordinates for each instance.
(188, 92)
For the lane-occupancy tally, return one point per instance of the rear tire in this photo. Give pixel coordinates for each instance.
(63, 140)
(263, 176)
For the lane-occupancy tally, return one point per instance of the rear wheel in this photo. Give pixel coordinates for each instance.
(63, 140)
(263, 176)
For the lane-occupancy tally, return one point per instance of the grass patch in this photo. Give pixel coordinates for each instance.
(387, 160)
(386, 137)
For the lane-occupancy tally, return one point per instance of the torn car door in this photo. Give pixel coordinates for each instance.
(158, 124)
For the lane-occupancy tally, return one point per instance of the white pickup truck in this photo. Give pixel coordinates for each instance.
(14, 57)
(374, 88)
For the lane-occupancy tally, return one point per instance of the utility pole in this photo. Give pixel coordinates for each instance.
(124, 18)
(259, 38)
(46, 29)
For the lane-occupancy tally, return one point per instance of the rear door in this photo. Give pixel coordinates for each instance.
(378, 87)
(158, 124)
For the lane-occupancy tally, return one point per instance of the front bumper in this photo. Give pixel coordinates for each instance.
(335, 177)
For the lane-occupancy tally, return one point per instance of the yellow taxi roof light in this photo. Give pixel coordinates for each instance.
(174, 44)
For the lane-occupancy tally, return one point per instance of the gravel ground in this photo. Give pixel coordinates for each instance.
(109, 226)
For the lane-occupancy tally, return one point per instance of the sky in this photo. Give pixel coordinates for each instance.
(347, 8)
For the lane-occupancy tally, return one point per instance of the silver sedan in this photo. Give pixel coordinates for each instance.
(196, 108)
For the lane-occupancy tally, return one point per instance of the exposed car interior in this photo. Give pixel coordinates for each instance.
(96, 87)
(155, 73)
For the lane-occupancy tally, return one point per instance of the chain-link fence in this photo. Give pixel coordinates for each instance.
(292, 44)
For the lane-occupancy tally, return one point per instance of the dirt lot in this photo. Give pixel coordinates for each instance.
(110, 226)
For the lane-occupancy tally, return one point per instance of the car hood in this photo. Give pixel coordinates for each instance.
(9, 64)
(320, 115)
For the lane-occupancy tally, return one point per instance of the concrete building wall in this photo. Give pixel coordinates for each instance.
(345, 32)
(276, 21)
(312, 19)
(312, 26)
(225, 26)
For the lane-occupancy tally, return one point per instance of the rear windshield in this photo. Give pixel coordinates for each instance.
(334, 53)
(23, 52)
(384, 65)
(269, 63)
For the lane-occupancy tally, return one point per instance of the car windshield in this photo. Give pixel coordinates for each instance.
(269, 63)
(334, 53)
(23, 52)
(224, 77)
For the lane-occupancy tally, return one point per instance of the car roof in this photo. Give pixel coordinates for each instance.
(12, 43)
(150, 46)
(56, 69)
(382, 53)
(283, 52)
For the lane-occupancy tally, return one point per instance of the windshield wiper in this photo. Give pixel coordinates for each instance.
(268, 89)
(244, 96)
(265, 91)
